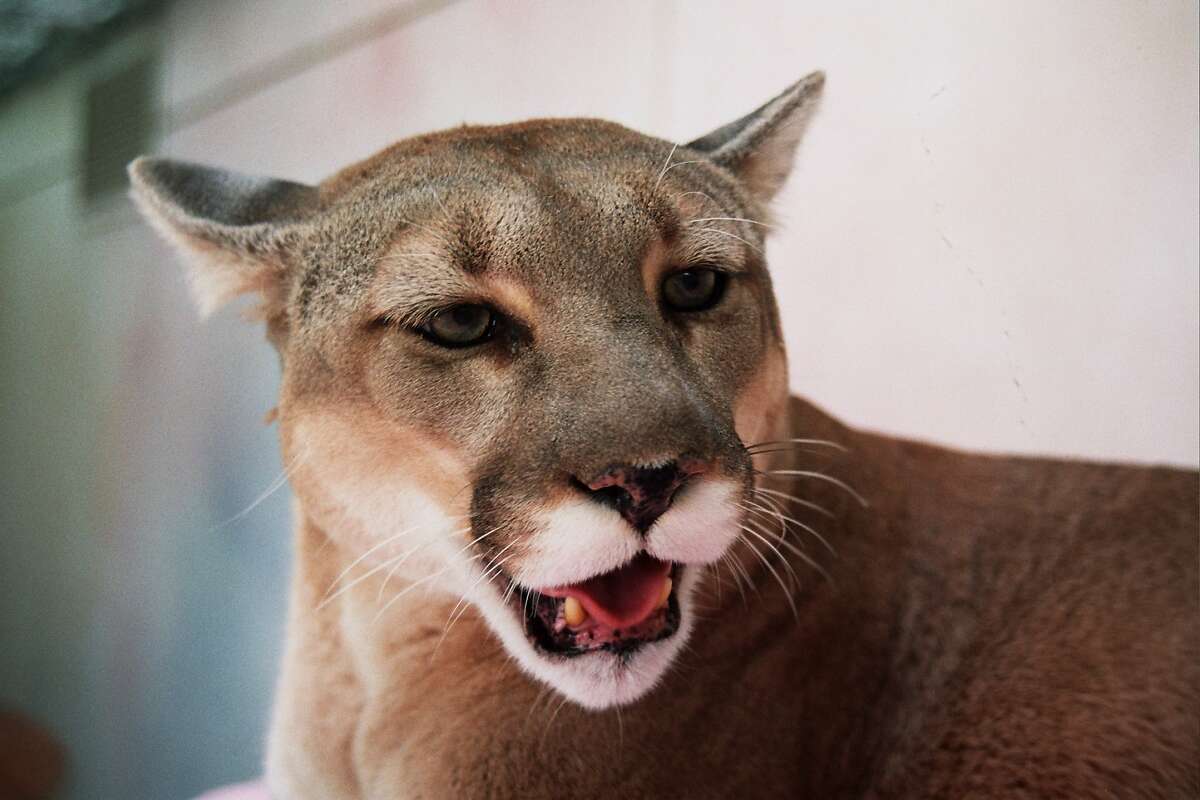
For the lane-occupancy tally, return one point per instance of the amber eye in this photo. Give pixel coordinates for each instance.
(460, 326)
(694, 289)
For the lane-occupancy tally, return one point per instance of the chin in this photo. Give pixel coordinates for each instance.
(597, 666)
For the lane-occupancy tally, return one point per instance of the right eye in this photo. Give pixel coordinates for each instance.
(460, 326)
(696, 289)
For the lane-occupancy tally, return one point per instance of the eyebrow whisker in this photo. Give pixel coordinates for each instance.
(729, 219)
(677, 164)
(666, 165)
(749, 244)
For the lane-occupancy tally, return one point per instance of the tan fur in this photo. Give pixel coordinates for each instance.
(953, 652)
(885, 619)
(759, 414)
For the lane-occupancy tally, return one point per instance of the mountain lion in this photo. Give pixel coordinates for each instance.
(561, 531)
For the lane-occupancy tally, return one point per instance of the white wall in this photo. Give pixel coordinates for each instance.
(991, 237)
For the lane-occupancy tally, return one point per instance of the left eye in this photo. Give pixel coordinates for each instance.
(460, 326)
(694, 289)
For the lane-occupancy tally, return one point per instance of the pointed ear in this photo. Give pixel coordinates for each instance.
(760, 148)
(236, 230)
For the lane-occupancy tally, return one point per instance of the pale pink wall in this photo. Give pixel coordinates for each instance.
(991, 236)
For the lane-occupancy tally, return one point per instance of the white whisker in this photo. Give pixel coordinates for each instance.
(762, 534)
(803, 556)
(278, 483)
(677, 164)
(729, 219)
(801, 473)
(416, 584)
(702, 194)
(666, 164)
(367, 554)
(767, 563)
(391, 565)
(797, 500)
(781, 516)
(395, 567)
(553, 716)
(720, 232)
(493, 567)
(738, 570)
(824, 442)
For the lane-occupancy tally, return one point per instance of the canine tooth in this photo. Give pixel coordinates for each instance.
(574, 612)
(666, 593)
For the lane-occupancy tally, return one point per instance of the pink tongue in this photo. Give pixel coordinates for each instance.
(623, 597)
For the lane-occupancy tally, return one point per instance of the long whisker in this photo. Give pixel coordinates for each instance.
(510, 591)
(415, 584)
(368, 552)
(756, 528)
(789, 449)
(738, 570)
(542, 694)
(278, 483)
(463, 605)
(391, 565)
(778, 513)
(728, 219)
(715, 569)
(726, 560)
(824, 442)
(705, 195)
(677, 164)
(802, 473)
(767, 563)
(493, 567)
(666, 164)
(391, 572)
(805, 557)
(753, 508)
(771, 506)
(797, 500)
(746, 242)
(553, 716)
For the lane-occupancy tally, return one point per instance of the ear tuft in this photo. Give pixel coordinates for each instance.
(760, 148)
(234, 229)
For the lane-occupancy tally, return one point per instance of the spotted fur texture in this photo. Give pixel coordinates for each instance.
(860, 616)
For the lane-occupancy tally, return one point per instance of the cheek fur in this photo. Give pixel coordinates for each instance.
(761, 406)
(377, 490)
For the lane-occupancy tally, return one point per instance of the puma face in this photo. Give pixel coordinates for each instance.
(521, 365)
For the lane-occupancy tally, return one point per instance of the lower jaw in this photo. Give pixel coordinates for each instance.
(559, 641)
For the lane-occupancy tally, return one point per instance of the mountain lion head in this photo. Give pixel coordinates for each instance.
(522, 365)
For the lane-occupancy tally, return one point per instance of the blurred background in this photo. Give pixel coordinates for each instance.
(990, 241)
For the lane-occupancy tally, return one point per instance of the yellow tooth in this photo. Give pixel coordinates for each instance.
(666, 593)
(574, 612)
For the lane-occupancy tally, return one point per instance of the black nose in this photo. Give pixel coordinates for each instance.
(639, 494)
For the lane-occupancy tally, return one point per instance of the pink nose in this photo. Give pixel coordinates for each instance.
(642, 494)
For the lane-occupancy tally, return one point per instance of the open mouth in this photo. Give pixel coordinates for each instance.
(618, 611)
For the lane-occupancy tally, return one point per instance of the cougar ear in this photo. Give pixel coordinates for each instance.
(760, 148)
(236, 230)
